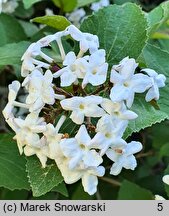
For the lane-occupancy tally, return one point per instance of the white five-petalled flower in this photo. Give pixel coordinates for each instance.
(79, 149)
(158, 81)
(83, 107)
(126, 83)
(122, 155)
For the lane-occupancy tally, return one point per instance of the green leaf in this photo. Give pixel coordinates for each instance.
(42, 180)
(6, 194)
(23, 13)
(29, 28)
(69, 127)
(158, 16)
(11, 54)
(166, 185)
(147, 116)
(12, 165)
(121, 30)
(131, 191)
(160, 35)
(66, 5)
(124, 1)
(160, 135)
(29, 3)
(163, 44)
(164, 151)
(10, 30)
(82, 3)
(56, 21)
(61, 188)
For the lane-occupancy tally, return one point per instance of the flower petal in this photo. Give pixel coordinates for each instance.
(82, 136)
(89, 183)
(77, 117)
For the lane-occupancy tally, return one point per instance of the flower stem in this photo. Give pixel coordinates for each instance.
(62, 51)
(111, 181)
(80, 54)
(63, 92)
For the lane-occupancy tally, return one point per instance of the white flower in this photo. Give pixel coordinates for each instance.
(158, 197)
(75, 68)
(30, 62)
(28, 59)
(109, 131)
(122, 155)
(126, 83)
(158, 81)
(88, 175)
(78, 149)
(83, 106)
(49, 12)
(28, 129)
(7, 6)
(40, 90)
(97, 73)
(53, 137)
(90, 180)
(76, 16)
(166, 179)
(118, 110)
(98, 5)
(41, 151)
(13, 91)
(87, 40)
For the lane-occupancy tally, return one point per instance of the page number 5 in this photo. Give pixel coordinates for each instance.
(160, 206)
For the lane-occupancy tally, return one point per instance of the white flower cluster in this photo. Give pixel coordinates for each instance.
(8, 6)
(75, 88)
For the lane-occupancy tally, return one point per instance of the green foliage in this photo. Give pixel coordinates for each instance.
(131, 191)
(121, 30)
(6, 194)
(29, 28)
(69, 127)
(82, 3)
(10, 54)
(61, 188)
(29, 3)
(42, 180)
(158, 16)
(164, 151)
(124, 1)
(58, 22)
(150, 117)
(22, 12)
(10, 30)
(160, 135)
(65, 5)
(12, 165)
(166, 185)
(157, 59)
